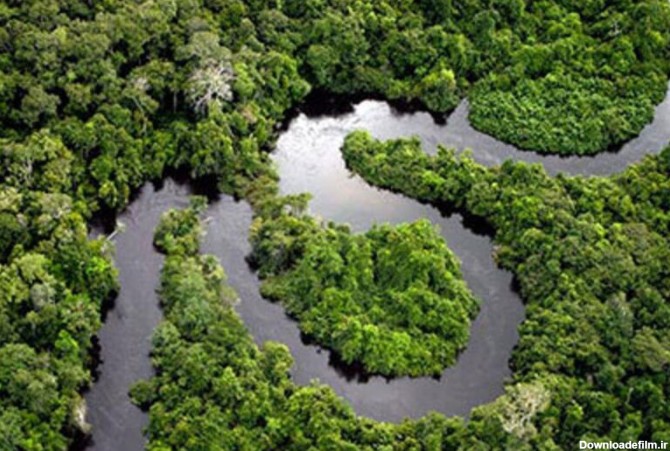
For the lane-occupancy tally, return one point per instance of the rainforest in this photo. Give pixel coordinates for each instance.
(356, 224)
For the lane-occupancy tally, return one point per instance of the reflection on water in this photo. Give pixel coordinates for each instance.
(386, 122)
(309, 160)
(125, 337)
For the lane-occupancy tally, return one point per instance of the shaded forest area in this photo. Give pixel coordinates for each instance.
(590, 255)
(215, 389)
(96, 100)
(392, 299)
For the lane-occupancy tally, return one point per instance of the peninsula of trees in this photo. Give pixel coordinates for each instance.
(99, 97)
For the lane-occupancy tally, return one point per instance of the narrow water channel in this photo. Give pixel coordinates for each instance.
(385, 121)
(125, 337)
(309, 160)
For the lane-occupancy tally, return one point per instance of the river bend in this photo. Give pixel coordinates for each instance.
(309, 160)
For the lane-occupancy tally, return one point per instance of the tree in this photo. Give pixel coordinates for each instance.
(210, 84)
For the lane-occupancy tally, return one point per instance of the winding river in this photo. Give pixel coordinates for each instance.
(309, 160)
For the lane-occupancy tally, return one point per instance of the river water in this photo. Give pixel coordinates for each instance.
(309, 160)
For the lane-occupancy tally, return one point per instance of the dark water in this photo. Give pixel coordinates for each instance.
(309, 160)
(126, 333)
(386, 122)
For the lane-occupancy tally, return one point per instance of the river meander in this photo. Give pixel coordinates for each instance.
(309, 160)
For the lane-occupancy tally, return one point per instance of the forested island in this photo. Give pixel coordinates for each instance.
(392, 299)
(97, 98)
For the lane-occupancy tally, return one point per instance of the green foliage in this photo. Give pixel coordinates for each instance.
(96, 98)
(53, 283)
(438, 90)
(215, 389)
(565, 114)
(588, 255)
(579, 77)
(392, 299)
(179, 231)
(551, 76)
(447, 178)
(129, 89)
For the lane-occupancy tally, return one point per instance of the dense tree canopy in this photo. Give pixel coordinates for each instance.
(54, 282)
(589, 254)
(179, 231)
(580, 77)
(96, 98)
(215, 389)
(392, 299)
